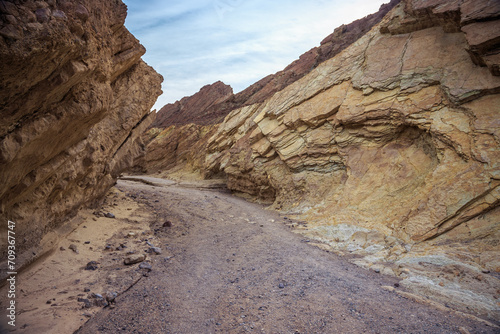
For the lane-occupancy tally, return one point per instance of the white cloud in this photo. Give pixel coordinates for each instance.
(197, 42)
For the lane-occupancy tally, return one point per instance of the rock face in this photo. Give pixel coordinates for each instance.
(390, 149)
(178, 147)
(213, 102)
(191, 121)
(179, 135)
(74, 104)
(198, 109)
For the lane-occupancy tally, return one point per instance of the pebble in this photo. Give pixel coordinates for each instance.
(146, 265)
(134, 258)
(101, 302)
(109, 215)
(156, 250)
(110, 296)
(92, 265)
(73, 248)
(86, 302)
(281, 286)
(463, 330)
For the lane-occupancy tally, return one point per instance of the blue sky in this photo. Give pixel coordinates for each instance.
(193, 43)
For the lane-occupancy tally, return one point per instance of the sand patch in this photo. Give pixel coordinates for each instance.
(59, 293)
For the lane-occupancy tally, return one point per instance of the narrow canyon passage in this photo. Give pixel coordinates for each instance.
(234, 267)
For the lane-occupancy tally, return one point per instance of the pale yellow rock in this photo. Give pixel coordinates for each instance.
(395, 139)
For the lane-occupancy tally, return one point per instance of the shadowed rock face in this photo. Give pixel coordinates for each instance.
(75, 97)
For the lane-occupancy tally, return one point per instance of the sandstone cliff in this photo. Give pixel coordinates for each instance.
(389, 150)
(201, 108)
(75, 97)
(191, 121)
(213, 102)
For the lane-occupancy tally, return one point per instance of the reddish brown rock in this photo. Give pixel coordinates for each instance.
(197, 109)
(175, 148)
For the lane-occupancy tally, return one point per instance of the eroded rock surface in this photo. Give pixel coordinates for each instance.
(190, 122)
(391, 148)
(75, 97)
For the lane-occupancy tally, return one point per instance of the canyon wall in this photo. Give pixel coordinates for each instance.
(389, 150)
(191, 121)
(75, 98)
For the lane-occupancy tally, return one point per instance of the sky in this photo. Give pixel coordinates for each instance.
(193, 43)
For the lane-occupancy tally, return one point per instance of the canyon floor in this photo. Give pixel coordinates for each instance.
(214, 263)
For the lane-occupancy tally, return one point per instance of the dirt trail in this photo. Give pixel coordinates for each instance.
(234, 267)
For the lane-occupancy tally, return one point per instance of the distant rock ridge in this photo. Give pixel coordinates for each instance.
(73, 108)
(198, 108)
(183, 112)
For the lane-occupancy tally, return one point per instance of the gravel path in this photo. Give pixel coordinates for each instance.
(235, 267)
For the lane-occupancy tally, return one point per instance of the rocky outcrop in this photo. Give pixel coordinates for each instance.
(218, 101)
(74, 105)
(179, 135)
(177, 148)
(187, 119)
(390, 150)
(199, 108)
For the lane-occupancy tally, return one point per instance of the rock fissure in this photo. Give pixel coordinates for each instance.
(475, 207)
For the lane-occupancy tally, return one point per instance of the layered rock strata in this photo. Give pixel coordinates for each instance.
(214, 102)
(199, 114)
(390, 150)
(75, 98)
